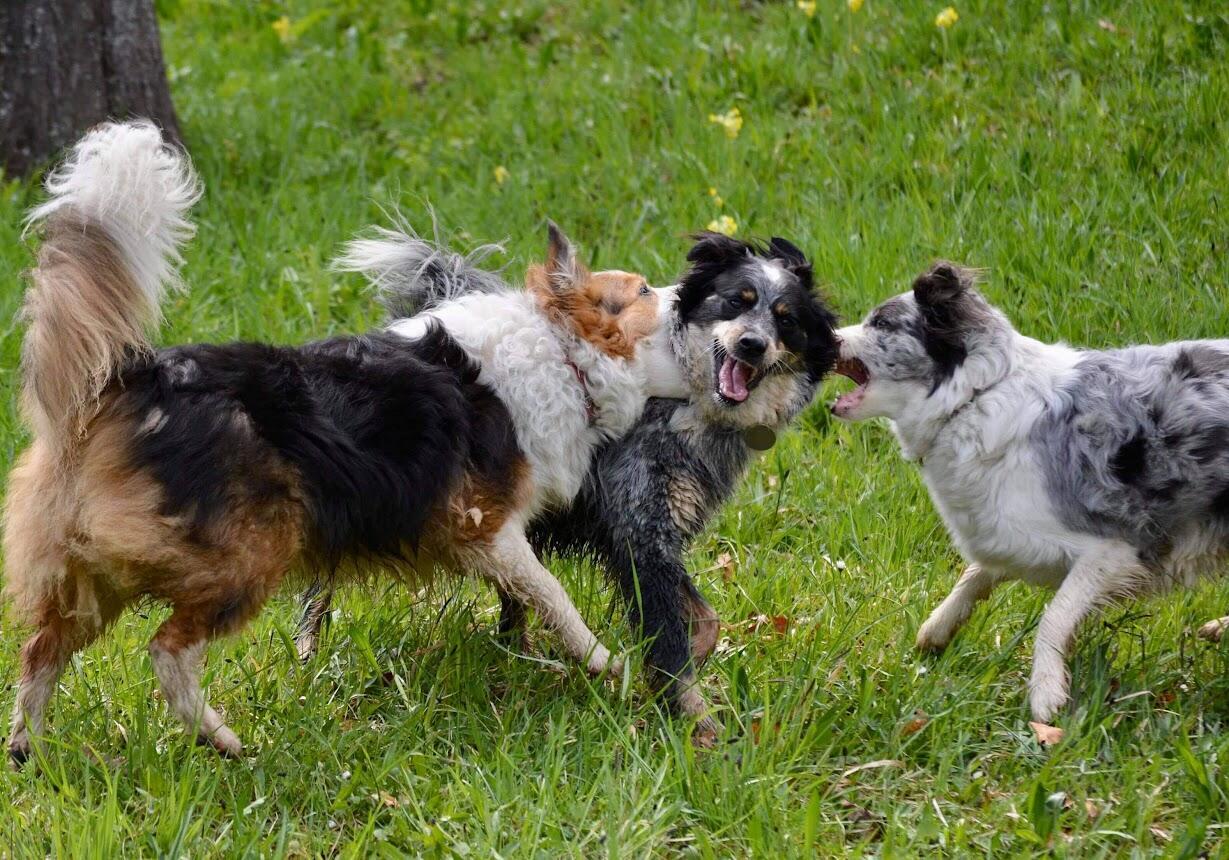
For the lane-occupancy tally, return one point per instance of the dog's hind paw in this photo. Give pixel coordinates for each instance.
(19, 750)
(706, 732)
(1214, 629)
(223, 740)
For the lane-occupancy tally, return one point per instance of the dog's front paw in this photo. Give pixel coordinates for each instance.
(1214, 629)
(1047, 695)
(601, 660)
(935, 634)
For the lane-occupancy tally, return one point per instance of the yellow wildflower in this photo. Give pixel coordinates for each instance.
(725, 224)
(854, 5)
(712, 192)
(501, 175)
(807, 7)
(282, 27)
(946, 18)
(731, 121)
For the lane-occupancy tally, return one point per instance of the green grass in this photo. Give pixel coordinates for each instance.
(1076, 150)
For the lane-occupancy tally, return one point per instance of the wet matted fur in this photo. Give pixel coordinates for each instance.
(650, 492)
(1103, 474)
(203, 475)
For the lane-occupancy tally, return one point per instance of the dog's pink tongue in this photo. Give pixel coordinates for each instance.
(732, 380)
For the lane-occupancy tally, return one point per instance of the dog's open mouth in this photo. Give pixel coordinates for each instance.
(735, 380)
(855, 370)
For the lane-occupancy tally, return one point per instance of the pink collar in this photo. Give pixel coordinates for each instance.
(590, 405)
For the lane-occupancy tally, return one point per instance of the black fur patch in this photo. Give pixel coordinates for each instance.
(942, 297)
(1129, 462)
(378, 429)
(1219, 505)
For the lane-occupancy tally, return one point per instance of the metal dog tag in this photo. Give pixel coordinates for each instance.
(759, 437)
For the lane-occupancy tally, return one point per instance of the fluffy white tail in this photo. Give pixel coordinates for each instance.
(411, 274)
(111, 236)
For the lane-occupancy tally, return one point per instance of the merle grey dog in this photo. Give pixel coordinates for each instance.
(1101, 474)
(754, 339)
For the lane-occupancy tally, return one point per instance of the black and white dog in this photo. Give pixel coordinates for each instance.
(754, 339)
(1101, 474)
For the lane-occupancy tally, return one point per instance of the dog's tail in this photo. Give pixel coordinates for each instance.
(111, 236)
(412, 274)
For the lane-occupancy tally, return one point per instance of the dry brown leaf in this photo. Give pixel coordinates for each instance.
(1091, 809)
(915, 725)
(388, 800)
(725, 561)
(1047, 736)
(779, 623)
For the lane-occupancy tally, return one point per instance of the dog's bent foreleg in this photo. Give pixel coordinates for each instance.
(509, 561)
(974, 586)
(1110, 571)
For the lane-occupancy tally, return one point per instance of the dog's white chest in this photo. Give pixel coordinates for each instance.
(998, 512)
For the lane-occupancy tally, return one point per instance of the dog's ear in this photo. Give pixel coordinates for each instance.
(712, 254)
(715, 249)
(793, 258)
(787, 251)
(563, 269)
(942, 284)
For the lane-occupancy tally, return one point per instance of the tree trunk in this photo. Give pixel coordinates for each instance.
(66, 65)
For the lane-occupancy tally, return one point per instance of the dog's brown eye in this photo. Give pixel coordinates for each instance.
(644, 290)
(786, 321)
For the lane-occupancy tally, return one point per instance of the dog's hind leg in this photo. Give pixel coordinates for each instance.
(1112, 570)
(509, 561)
(43, 658)
(974, 586)
(1214, 629)
(177, 652)
(315, 602)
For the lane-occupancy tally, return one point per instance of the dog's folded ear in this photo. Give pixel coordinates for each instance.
(942, 283)
(787, 251)
(716, 249)
(563, 269)
(796, 261)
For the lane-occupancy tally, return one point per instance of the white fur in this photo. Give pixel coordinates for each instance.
(972, 436)
(126, 179)
(524, 359)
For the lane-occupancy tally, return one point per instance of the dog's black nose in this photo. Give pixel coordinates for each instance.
(752, 345)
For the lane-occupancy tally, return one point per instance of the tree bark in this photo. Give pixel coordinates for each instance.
(67, 65)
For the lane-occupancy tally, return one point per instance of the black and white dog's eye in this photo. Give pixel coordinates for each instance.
(734, 303)
(786, 322)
